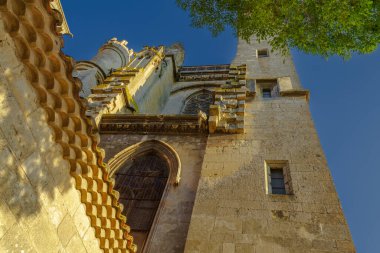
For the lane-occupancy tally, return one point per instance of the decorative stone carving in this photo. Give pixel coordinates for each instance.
(63, 28)
(154, 124)
(49, 73)
(227, 113)
(127, 158)
(114, 94)
(141, 148)
(199, 101)
(203, 73)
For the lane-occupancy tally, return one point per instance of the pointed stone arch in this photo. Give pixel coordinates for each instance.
(144, 173)
(139, 149)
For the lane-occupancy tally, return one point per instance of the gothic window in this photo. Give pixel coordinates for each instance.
(198, 101)
(141, 185)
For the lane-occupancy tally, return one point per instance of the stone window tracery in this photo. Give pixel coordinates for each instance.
(199, 101)
(141, 184)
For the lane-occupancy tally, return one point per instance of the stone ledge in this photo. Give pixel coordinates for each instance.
(296, 93)
(154, 124)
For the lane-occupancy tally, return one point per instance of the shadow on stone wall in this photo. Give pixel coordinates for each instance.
(32, 170)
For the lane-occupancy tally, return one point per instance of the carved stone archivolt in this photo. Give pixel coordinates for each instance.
(34, 28)
(139, 149)
(142, 150)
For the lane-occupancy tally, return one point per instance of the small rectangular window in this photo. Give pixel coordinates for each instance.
(267, 87)
(267, 93)
(278, 180)
(262, 53)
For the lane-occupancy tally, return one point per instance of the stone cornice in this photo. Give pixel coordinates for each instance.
(296, 93)
(154, 124)
(204, 73)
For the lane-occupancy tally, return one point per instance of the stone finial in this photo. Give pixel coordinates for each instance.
(122, 43)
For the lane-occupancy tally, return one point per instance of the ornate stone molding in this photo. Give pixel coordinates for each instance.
(227, 113)
(165, 151)
(204, 73)
(115, 93)
(141, 148)
(34, 28)
(154, 124)
(63, 28)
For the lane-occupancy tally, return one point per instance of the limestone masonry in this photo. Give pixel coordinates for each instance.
(131, 151)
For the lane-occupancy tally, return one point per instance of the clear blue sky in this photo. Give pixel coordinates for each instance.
(344, 101)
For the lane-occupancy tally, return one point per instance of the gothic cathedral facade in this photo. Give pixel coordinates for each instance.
(213, 158)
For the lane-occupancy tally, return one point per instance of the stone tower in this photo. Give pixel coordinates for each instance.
(214, 158)
(269, 189)
(245, 171)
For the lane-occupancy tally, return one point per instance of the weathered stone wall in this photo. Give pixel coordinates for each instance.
(112, 55)
(169, 235)
(40, 209)
(233, 212)
(177, 101)
(152, 96)
(274, 66)
(180, 91)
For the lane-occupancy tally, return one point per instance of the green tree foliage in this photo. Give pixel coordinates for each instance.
(324, 27)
